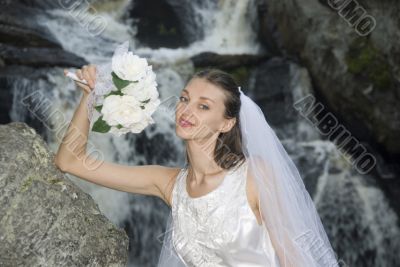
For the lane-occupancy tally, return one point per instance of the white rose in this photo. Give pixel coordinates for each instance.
(129, 67)
(144, 89)
(149, 80)
(138, 127)
(150, 107)
(134, 128)
(124, 110)
(142, 94)
(119, 132)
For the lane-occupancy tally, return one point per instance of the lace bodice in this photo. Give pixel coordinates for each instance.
(219, 228)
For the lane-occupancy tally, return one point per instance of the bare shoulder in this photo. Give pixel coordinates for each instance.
(166, 185)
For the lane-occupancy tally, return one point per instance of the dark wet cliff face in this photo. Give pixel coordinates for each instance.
(27, 51)
(356, 76)
(162, 22)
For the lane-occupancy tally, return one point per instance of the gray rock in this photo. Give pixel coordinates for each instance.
(357, 76)
(19, 27)
(46, 220)
(39, 57)
(157, 27)
(61, 4)
(226, 62)
(23, 41)
(273, 91)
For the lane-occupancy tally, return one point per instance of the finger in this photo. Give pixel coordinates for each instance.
(86, 76)
(92, 73)
(79, 74)
(81, 85)
(85, 88)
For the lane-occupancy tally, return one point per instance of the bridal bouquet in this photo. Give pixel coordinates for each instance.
(125, 94)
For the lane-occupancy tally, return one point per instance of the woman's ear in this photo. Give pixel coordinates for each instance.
(228, 125)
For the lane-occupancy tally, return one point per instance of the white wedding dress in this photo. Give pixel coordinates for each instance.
(219, 228)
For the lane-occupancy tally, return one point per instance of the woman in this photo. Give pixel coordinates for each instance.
(220, 217)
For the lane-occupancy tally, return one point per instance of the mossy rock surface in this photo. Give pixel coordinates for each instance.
(357, 78)
(45, 219)
(239, 66)
(365, 60)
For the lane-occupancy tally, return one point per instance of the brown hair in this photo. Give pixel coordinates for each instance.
(228, 149)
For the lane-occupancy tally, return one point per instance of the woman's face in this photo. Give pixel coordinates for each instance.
(200, 111)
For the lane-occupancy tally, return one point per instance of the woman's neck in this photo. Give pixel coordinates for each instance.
(202, 160)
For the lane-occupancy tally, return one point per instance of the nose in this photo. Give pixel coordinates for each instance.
(185, 109)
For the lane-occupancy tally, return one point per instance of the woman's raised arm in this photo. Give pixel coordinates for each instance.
(72, 156)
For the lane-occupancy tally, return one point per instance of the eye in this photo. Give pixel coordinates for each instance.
(182, 99)
(204, 107)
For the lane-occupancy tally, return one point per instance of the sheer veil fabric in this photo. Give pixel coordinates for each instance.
(287, 209)
(168, 256)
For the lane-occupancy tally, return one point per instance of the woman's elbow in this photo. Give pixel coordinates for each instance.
(60, 164)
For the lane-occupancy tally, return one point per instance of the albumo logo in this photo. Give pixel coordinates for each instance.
(355, 15)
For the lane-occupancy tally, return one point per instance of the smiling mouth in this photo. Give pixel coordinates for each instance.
(185, 123)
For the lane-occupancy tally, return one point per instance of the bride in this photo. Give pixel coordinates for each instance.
(239, 201)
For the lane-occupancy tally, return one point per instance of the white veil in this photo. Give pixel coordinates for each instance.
(286, 207)
(287, 210)
(168, 256)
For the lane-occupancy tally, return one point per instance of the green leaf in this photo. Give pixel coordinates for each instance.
(146, 101)
(118, 82)
(98, 108)
(119, 126)
(101, 126)
(114, 93)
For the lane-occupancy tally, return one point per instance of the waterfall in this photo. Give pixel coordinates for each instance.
(142, 217)
(353, 209)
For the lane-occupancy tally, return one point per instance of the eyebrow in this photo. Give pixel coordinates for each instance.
(201, 97)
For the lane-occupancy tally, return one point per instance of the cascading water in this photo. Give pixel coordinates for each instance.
(143, 217)
(227, 28)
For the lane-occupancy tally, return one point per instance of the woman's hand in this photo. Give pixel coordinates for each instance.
(88, 73)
